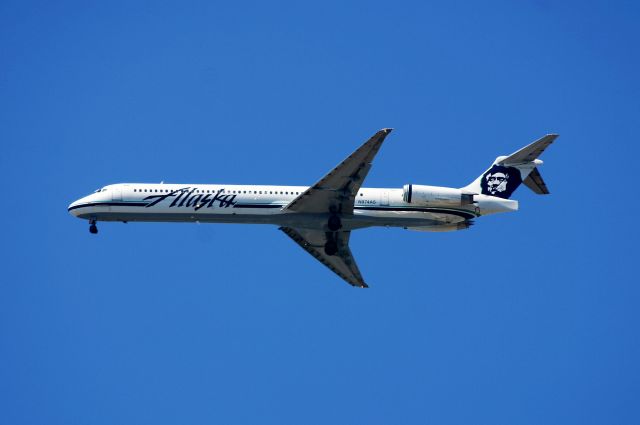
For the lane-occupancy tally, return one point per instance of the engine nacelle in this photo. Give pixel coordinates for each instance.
(435, 196)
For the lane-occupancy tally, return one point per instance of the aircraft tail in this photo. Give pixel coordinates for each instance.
(508, 172)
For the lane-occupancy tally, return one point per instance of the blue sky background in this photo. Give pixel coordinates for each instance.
(526, 318)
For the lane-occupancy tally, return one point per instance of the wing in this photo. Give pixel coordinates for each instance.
(343, 264)
(336, 191)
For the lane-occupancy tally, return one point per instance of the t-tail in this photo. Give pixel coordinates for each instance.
(508, 172)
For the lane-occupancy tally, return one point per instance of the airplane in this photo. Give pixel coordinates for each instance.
(321, 217)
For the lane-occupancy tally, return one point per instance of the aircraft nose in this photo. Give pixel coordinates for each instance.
(72, 208)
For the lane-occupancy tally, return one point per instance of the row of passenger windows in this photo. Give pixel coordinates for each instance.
(238, 192)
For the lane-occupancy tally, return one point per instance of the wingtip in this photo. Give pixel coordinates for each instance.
(387, 130)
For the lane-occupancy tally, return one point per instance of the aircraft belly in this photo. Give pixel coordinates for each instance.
(166, 213)
(181, 217)
(400, 218)
(271, 214)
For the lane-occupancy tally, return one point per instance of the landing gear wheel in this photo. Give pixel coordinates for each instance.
(93, 229)
(334, 223)
(331, 248)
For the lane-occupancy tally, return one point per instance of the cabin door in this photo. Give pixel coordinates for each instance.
(116, 193)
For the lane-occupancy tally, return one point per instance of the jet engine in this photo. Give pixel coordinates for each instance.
(435, 196)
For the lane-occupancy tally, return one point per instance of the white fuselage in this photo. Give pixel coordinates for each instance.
(321, 218)
(262, 204)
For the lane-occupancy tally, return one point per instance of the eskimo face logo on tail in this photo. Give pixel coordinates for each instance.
(500, 181)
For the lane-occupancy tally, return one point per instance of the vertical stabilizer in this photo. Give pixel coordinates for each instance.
(507, 172)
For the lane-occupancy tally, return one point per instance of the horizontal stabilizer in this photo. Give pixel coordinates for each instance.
(535, 182)
(530, 152)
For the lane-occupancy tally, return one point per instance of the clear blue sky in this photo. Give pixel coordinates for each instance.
(528, 318)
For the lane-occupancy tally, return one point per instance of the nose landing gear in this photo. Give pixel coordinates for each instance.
(93, 229)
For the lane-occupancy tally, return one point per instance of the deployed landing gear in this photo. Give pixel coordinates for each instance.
(93, 229)
(334, 224)
(331, 247)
